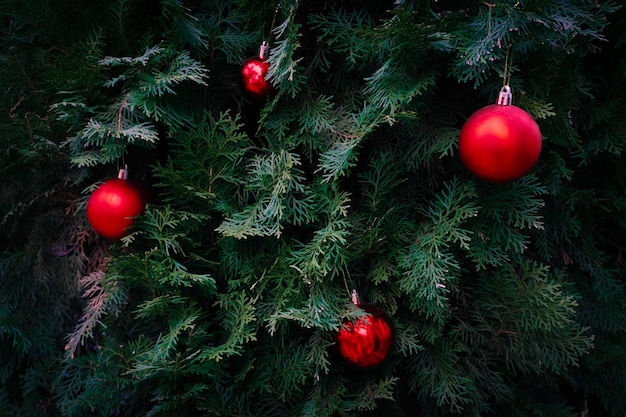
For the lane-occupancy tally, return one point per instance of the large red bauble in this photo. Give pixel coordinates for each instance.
(253, 73)
(366, 342)
(500, 143)
(112, 207)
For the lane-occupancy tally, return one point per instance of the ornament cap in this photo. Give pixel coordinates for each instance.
(505, 98)
(355, 297)
(264, 50)
(123, 174)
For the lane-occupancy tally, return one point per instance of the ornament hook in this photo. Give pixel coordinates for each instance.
(505, 98)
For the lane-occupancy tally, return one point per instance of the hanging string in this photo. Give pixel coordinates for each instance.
(508, 66)
(269, 36)
(265, 46)
(489, 21)
(347, 282)
(506, 97)
(122, 172)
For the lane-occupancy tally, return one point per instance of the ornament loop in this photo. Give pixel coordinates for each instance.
(264, 50)
(505, 97)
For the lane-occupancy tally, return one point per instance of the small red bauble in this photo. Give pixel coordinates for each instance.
(254, 73)
(500, 143)
(366, 342)
(112, 207)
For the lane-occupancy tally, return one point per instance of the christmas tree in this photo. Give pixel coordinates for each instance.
(334, 170)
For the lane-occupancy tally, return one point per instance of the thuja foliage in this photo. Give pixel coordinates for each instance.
(225, 298)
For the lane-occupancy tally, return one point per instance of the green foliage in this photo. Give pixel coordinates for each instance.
(226, 296)
(133, 117)
(272, 183)
(285, 69)
(429, 266)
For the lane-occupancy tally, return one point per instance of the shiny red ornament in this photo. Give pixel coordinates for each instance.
(366, 342)
(254, 74)
(500, 142)
(113, 206)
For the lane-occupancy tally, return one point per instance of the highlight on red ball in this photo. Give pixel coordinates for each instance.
(113, 206)
(366, 342)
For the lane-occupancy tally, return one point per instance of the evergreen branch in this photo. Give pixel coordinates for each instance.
(449, 211)
(211, 158)
(317, 313)
(318, 347)
(342, 32)
(167, 227)
(512, 209)
(441, 378)
(166, 344)
(390, 89)
(340, 157)
(141, 61)
(430, 267)
(237, 315)
(185, 24)
(119, 12)
(407, 341)
(326, 253)
(432, 142)
(284, 69)
(317, 115)
(341, 154)
(225, 26)
(182, 68)
(531, 303)
(274, 179)
(100, 301)
(159, 305)
(93, 158)
(293, 368)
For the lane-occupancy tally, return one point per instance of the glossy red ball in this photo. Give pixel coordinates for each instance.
(500, 143)
(254, 72)
(112, 207)
(366, 342)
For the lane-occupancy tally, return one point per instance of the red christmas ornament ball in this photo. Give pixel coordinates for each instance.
(253, 73)
(112, 207)
(366, 342)
(500, 143)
